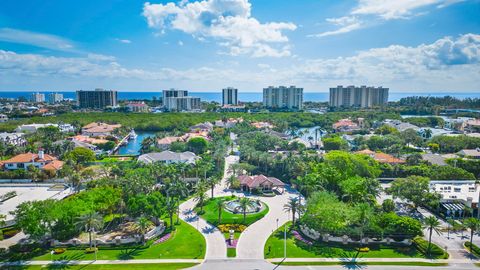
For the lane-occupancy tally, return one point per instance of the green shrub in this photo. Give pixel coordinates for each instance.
(90, 250)
(474, 249)
(435, 251)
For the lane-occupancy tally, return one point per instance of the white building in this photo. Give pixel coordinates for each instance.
(362, 96)
(168, 157)
(55, 98)
(37, 97)
(34, 127)
(230, 96)
(3, 118)
(454, 193)
(137, 107)
(178, 100)
(283, 97)
(13, 138)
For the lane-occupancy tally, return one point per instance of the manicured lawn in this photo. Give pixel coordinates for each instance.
(231, 252)
(185, 243)
(147, 266)
(298, 249)
(362, 263)
(211, 213)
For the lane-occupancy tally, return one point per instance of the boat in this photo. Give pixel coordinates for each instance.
(132, 135)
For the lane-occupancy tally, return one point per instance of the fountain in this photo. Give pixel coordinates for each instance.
(234, 207)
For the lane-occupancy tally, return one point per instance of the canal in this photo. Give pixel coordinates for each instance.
(133, 146)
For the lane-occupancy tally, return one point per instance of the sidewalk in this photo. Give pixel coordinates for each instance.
(140, 261)
(373, 260)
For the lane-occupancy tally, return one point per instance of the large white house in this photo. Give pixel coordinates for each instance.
(168, 157)
(34, 127)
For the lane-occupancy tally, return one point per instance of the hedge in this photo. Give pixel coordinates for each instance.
(435, 251)
(474, 249)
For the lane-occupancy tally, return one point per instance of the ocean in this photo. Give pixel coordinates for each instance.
(243, 96)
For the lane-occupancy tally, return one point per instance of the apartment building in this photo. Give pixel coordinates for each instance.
(363, 96)
(283, 97)
(230, 96)
(97, 99)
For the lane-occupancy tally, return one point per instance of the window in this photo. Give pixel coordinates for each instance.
(457, 189)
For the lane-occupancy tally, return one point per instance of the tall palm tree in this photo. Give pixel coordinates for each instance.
(220, 207)
(472, 224)
(141, 225)
(212, 182)
(232, 181)
(244, 203)
(177, 189)
(432, 224)
(89, 222)
(200, 196)
(170, 208)
(293, 206)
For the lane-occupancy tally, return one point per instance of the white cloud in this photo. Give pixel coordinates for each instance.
(124, 41)
(228, 21)
(381, 10)
(346, 23)
(36, 39)
(180, 43)
(450, 63)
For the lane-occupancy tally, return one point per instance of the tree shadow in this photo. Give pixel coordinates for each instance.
(72, 257)
(128, 254)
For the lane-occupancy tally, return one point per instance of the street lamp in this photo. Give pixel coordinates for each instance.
(285, 243)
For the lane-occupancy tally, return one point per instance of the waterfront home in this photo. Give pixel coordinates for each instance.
(99, 129)
(345, 125)
(169, 157)
(30, 128)
(262, 125)
(40, 160)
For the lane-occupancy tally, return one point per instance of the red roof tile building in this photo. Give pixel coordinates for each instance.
(381, 157)
(259, 182)
(40, 160)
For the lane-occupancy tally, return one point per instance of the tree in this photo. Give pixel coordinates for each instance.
(432, 224)
(212, 182)
(472, 224)
(220, 206)
(233, 182)
(385, 130)
(414, 159)
(358, 189)
(325, 213)
(198, 145)
(334, 143)
(363, 213)
(244, 203)
(81, 155)
(171, 208)
(200, 196)
(293, 205)
(141, 225)
(89, 223)
(414, 189)
(388, 205)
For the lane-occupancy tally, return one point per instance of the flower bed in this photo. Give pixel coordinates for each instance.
(299, 237)
(224, 228)
(232, 244)
(163, 238)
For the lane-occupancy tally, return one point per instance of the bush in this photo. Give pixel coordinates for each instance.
(363, 249)
(225, 228)
(91, 250)
(10, 232)
(435, 251)
(474, 249)
(59, 250)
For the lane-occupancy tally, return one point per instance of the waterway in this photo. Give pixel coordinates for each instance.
(133, 146)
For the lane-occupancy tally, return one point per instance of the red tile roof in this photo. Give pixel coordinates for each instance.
(28, 157)
(256, 180)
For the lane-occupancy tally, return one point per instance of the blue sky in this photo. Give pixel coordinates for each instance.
(131, 45)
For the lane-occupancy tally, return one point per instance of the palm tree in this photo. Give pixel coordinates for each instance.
(232, 181)
(451, 225)
(220, 207)
(244, 203)
(472, 224)
(200, 196)
(432, 224)
(89, 222)
(170, 208)
(212, 182)
(141, 225)
(293, 205)
(178, 190)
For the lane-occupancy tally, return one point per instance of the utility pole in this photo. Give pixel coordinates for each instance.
(285, 242)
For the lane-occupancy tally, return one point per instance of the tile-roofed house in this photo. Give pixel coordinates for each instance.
(168, 157)
(470, 153)
(260, 182)
(40, 160)
(400, 126)
(207, 127)
(164, 143)
(345, 125)
(381, 157)
(261, 125)
(435, 159)
(99, 129)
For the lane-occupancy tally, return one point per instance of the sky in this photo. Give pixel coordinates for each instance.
(415, 46)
